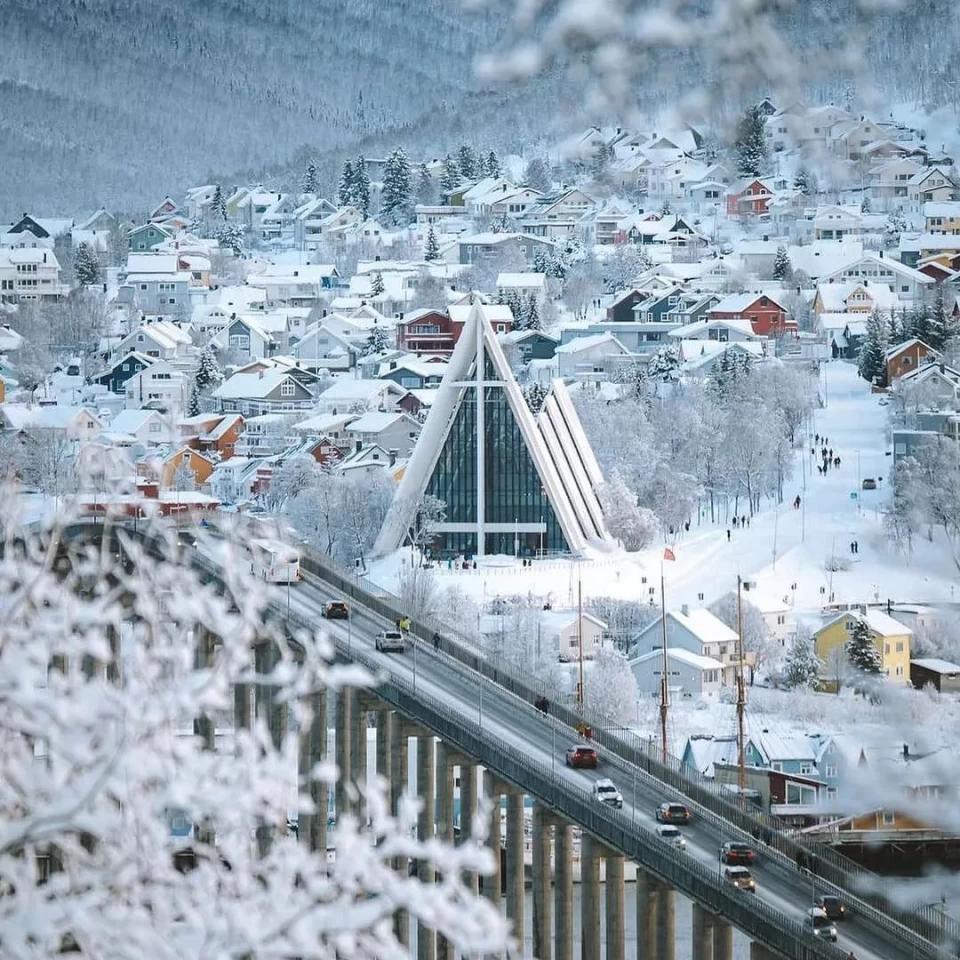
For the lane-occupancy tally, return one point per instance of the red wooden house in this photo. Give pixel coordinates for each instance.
(749, 197)
(767, 317)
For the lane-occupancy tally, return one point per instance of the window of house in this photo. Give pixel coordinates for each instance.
(888, 818)
(287, 389)
(805, 769)
(125, 367)
(154, 427)
(886, 649)
(777, 765)
(831, 771)
(831, 793)
(801, 793)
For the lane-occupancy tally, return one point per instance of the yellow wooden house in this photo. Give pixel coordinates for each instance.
(892, 639)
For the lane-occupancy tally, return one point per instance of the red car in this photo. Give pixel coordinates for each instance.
(582, 757)
(737, 853)
(675, 813)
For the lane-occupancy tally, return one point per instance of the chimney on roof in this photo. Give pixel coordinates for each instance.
(44, 258)
(906, 751)
(684, 609)
(261, 374)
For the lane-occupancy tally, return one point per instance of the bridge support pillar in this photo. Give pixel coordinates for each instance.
(344, 756)
(399, 767)
(666, 923)
(515, 865)
(426, 771)
(492, 885)
(445, 764)
(563, 890)
(589, 898)
(647, 901)
(702, 940)
(385, 721)
(542, 904)
(759, 952)
(359, 709)
(722, 939)
(312, 829)
(616, 928)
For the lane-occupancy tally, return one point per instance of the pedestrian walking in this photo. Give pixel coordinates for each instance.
(856, 546)
(796, 503)
(734, 523)
(436, 641)
(831, 453)
(816, 439)
(728, 534)
(813, 451)
(836, 461)
(852, 547)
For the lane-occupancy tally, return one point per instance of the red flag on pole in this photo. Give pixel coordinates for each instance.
(668, 554)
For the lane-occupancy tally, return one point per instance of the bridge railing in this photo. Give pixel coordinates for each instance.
(924, 924)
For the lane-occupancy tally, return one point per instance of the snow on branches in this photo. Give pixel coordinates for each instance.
(138, 817)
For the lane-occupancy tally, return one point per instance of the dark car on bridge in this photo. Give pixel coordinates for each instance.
(675, 813)
(336, 610)
(737, 853)
(581, 756)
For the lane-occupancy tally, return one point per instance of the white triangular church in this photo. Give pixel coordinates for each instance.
(512, 483)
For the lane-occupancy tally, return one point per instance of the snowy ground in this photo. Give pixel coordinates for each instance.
(781, 547)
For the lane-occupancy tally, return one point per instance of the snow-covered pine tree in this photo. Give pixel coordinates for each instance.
(801, 668)
(310, 182)
(376, 284)
(395, 201)
(467, 163)
(535, 395)
(532, 313)
(541, 262)
(537, 176)
(378, 341)
(921, 324)
(781, 264)
(426, 189)
(347, 188)
(450, 178)
(86, 265)
(491, 166)
(230, 237)
(193, 405)
(805, 182)
(665, 208)
(208, 370)
(664, 365)
(361, 186)
(894, 226)
(218, 205)
(751, 143)
(872, 363)
(937, 332)
(865, 203)
(432, 247)
(861, 650)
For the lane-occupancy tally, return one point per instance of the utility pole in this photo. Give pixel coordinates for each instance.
(664, 690)
(580, 642)
(741, 693)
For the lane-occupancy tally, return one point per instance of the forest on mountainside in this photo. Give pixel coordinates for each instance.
(112, 102)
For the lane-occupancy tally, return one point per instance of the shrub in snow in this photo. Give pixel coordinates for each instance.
(836, 563)
(610, 688)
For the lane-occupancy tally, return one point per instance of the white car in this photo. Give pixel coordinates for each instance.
(672, 835)
(604, 791)
(390, 641)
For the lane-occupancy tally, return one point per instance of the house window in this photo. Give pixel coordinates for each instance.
(831, 771)
(125, 367)
(888, 818)
(777, 765)
(143, 286)
(805, 769)
(154, 427)
(899, 646)
(287, 389)
(886, 649)
(801, 793)
(831, 793)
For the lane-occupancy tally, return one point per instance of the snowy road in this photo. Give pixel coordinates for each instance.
(440, 679)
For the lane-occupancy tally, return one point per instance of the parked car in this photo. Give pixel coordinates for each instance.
(390, 641)
(675, 813)
(670, 834)
(823, 926)
(580, 756)
(741, 878)
(737, 853)
(869, 484)
(833, 907)
(336, 610)
(604, 791)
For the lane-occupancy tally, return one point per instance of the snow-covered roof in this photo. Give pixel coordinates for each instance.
(705, 751)
(690, 330)
(937, 665)
(495, 312)
(52, 417)
(130, 421)
(942, 208)
(736, 302)
(251, 386)
(776, 744)
(704, 625)
(885, 625)
(521, 280)
(374, 421)
(347, 389)
(681, 655)
(323, 423)
(579, 344)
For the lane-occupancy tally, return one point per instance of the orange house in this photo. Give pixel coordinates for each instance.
(213, 434)
(907, 357)
(186, 458)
